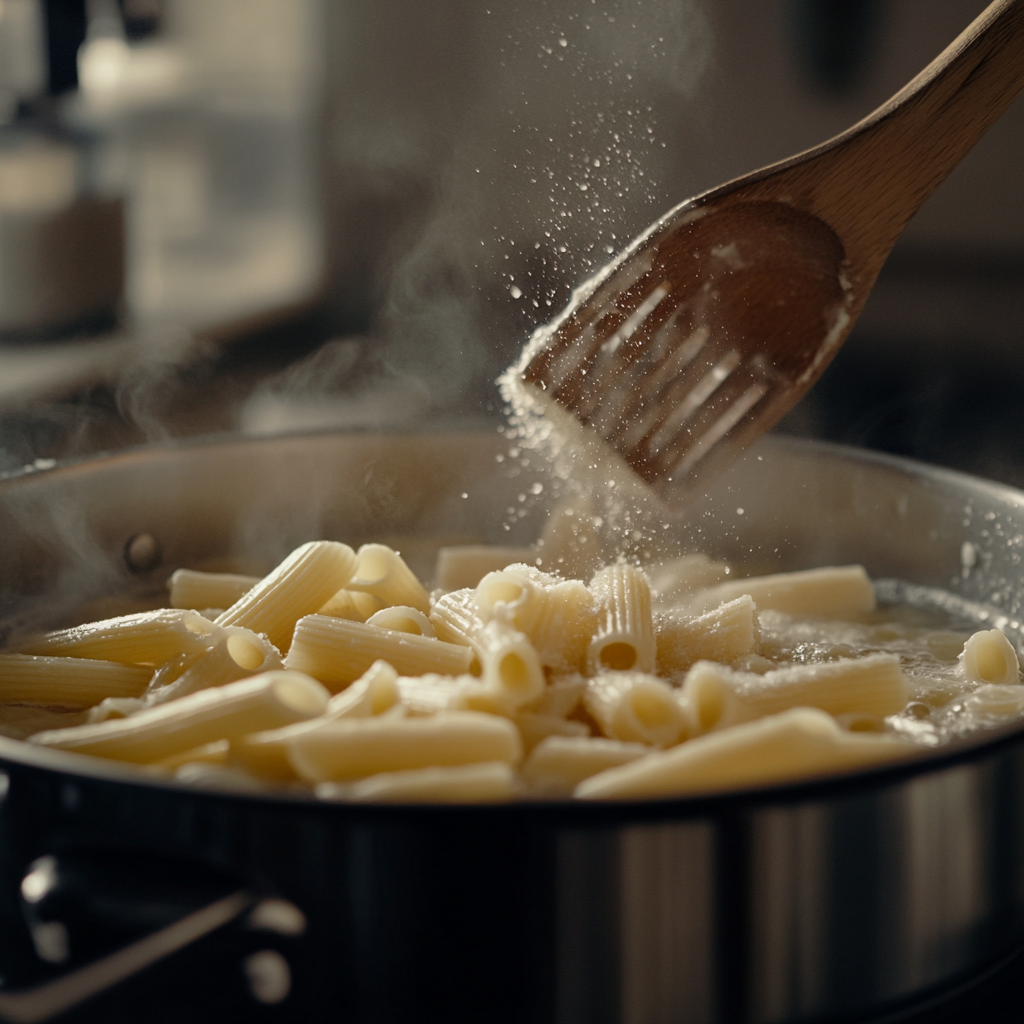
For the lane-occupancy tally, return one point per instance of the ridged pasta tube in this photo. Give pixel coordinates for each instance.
(722, 634)
(465, 565)
(874, 685)
(352, 604)
(338, 651)
(250, 705)
(534, 728)
(193, 589)
(988, 657)
(215, 752)
(709, 701)
(145, 638)
(487, 783)
(353, 749)
(796, 744)
(430, 693)
(237, 654)
(830, 592)
(511, 669)
(624, 639)
(402, 619)
(67, 682)
(382, 572)
(636, 707)
(456, 620)
(300, 585)
(265, 754)
(560, 763)
(561, 696)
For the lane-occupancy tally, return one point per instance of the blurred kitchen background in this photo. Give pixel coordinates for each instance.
(265, 215)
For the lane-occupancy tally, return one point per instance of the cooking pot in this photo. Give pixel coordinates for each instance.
(124, 896)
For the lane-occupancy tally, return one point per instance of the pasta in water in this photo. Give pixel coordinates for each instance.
(341, 673)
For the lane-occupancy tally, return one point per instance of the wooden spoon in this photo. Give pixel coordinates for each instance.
(711, 325)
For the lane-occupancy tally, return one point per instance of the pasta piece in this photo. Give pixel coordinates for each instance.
(873, 685)
(352, 604)
(466, 565)
(534, 728)
(265, 754)
(338, 652)
(382, 572)
(115, 707)
(999, 702)
(678, 579)
(512, 671)
(430, 693)
(67, 682)
(215, 752)
(300, 585)
(722, 634)
(560, 698)
(571, 540)
(219, 778)
(192, 589)
(710, 702)
(624, 639)
(560, 763)
(636, 707)
(145, 638)
(238, 653)
(402, 619)
(988, 657)
(796, 744)
(828, 593)
(250, 705)
(487, 783)
(353, 749)
(456, 620)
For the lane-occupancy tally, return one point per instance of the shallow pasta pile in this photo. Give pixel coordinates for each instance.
(339, 673)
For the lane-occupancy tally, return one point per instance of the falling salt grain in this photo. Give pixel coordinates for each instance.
(516, 292)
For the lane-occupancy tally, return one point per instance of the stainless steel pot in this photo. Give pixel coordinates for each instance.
(828, 899)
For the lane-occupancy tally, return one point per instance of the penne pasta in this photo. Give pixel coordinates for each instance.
(512, 672)
(636, 707)
(456, 620)
(561, 697)
(988, 657)
(238, 653)
(624, 639)
(558, 764)
(145, 638)
(430, 693)
(215, 752)
(352, 604)
(380, 571)
(250, 705)
(300, 585)
(466, 565)
(487, 783)
(827, 593)
(338, 652)
(534, 728)
(796, 744)
(722, 634)
(346, 750)
(197, 590)
(67, 682)
(402, 619)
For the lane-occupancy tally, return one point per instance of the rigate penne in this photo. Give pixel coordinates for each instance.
(533, 728)
(721, 634)
(338, 651)
(67, 682)
(402, 619)
(356, 748)
(988, 657)
(486, 783)
(250, 705)
(795, 744)
(636, 707)
(431, 692)
(465, 565)
(198, 590)
(512, 672)
(456, 620)
(382, 572)
(676, 580)
(560, 697)
(300, 585)
(708, 700)
(352, 604)
(827, 593)
(624, 638)
(236, 654)
(874, 684)
(560, 763)
(144, 638)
